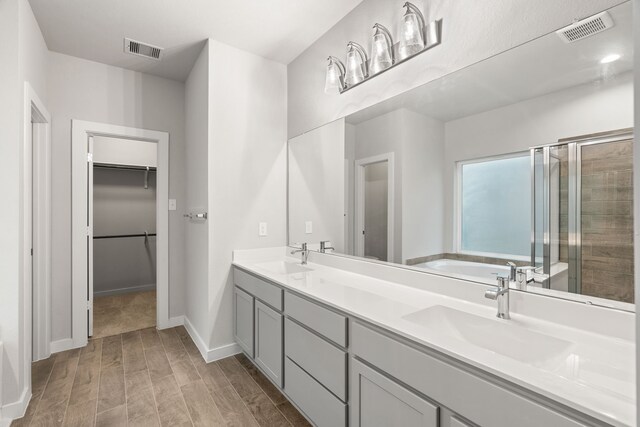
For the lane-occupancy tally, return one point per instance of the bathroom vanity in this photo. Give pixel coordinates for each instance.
(351, 342)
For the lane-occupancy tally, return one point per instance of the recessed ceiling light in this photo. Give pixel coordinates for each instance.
(610, 58)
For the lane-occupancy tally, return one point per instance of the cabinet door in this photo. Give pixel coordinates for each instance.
(381, 402)
(243, 320)
(268, 341)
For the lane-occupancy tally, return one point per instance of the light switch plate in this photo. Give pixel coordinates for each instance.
(262, 229)
(172, 204)
(308, 227)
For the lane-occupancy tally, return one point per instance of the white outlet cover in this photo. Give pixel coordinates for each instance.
(262, 229)
(308, 227)
(172, 204)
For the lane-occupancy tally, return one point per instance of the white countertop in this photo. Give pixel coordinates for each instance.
(596, 377)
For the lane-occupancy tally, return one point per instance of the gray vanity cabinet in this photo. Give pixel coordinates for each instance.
(380, 402)
(243, 320)
(268, 341)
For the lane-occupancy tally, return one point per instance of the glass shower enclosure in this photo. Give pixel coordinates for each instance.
(582, 215)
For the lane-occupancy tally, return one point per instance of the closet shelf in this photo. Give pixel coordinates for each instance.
(125, 167)
(121, 236)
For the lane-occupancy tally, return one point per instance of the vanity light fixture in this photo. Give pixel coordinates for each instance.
(357, 68)
(381, 49)
(334, 81)
(415, 37)
(412, 36)
(610, 58)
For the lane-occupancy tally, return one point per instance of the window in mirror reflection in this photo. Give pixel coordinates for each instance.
(495, 206)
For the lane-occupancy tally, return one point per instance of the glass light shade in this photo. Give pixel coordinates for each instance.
(411, 37)
(355, 69)
(334, 80)
(381, 53)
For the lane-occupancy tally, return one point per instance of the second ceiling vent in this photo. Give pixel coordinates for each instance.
(142, 49)
(586, 27)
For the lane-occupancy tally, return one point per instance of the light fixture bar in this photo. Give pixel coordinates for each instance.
(433, 33)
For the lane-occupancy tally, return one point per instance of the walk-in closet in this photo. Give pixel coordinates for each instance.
(123, 252)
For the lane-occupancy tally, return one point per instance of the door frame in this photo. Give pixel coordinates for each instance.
(359, 207)
(80, 132)
(36, 205)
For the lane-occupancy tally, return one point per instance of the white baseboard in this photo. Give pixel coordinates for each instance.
(61, 345)
(210, 355)
(15, 410)
(118, 291)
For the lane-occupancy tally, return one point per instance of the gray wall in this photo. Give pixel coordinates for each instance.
(86, 90)
(121, 205)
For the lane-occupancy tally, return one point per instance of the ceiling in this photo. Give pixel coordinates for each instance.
(537, 68)
(94, 29)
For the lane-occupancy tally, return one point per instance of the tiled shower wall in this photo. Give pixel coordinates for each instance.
(607, 220)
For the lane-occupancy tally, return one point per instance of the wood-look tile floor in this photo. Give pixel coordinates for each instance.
(150, 378)
(116, 314)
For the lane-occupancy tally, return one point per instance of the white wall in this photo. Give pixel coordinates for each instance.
(86, 90)
(23, 53)
(116, 151)
(247, 162)
(423, 186)
(316, 178)
(580, 110)
(197, 99)
(417, 142)
(472, 31)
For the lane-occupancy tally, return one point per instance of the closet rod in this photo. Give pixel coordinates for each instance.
(118, 236)
(134, 168)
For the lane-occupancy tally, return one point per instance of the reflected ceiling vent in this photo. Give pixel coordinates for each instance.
(142, 49)
(585, 28)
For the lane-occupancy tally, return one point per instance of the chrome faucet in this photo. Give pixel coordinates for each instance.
(304, 252)
(324, 247)
(501, 294)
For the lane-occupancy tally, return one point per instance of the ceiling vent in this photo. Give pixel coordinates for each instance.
(585, 28)
(142, 49)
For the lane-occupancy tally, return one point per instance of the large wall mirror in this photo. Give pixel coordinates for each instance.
(525, 157)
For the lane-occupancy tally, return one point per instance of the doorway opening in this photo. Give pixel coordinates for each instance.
(120, 226)
(122, 244)
(375, 207)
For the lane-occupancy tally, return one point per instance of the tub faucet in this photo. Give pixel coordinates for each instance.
(324, 247)
(501, 294)
(512, 271)
(303, 251)
(526, 275)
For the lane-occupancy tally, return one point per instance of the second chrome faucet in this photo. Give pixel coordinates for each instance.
(304, 252)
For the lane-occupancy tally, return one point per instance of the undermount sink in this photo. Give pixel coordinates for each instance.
(283, 267)
(495, 335)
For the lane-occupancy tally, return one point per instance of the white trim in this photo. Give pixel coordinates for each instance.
(127, 290)
(391, 201)
(17, 409)
(210, 355)
(61, 345)
(80, 131)
(36, 229)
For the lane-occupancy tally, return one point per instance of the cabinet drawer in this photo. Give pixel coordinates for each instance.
(259, 288)
(469, 395)
(324, 321)
(323, 408)
(322, 360)
(379, 402)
